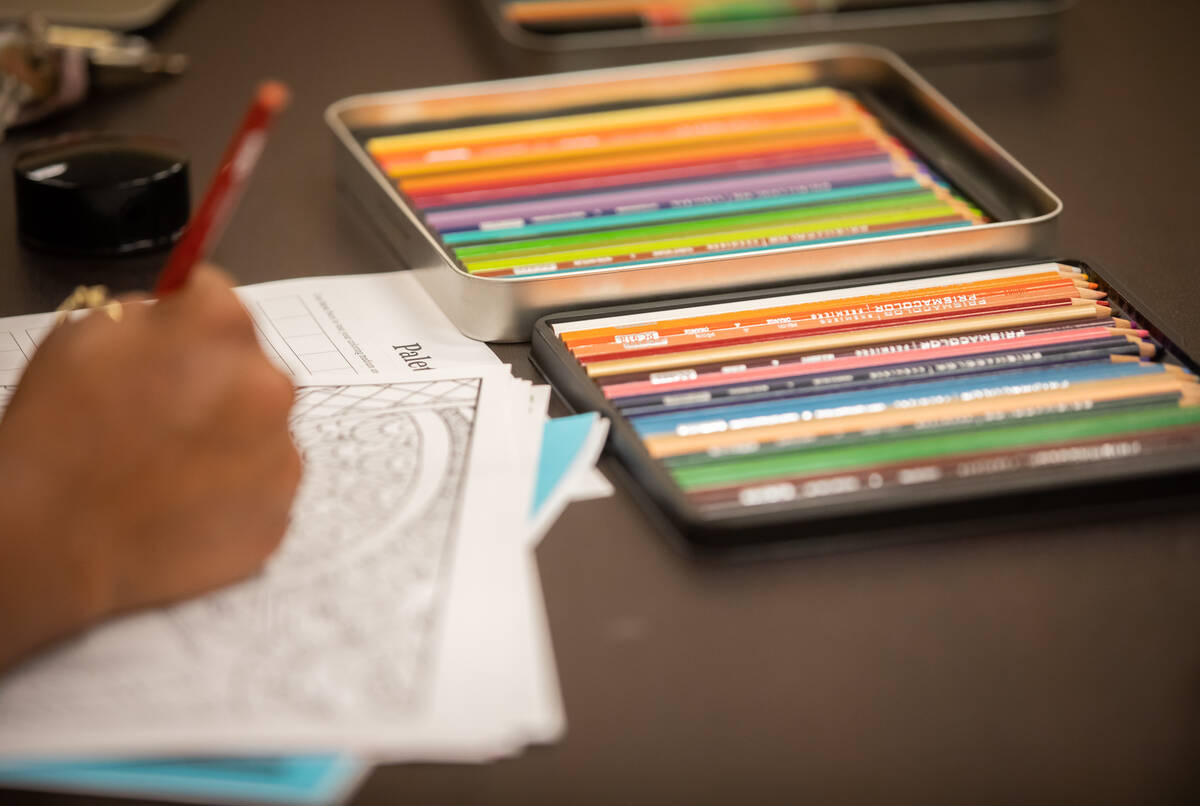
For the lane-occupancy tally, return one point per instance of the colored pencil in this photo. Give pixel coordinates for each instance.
(834, 319)
(708, 225)
(728, 418)
(1092, 313)
(696, 315)
(480, 220)
(989, 339)
(1044, 344)
(784, 122)
(566, 17)
(747, 240)
(977, 413)
(785, 146)
(794, 328)
(1048, 411)
(614, 221)
(977, 440)
(592, 122)
(947, 470)
(856, 309)
(773, 308)
(893, 225)
(813, 157)
(874, 377)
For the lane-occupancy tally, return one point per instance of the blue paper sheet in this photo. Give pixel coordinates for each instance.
(562, 440)
(309, 779)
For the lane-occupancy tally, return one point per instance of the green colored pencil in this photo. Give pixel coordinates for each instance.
(921, 197)
(609, 223)
(922, 213)
(982, 439)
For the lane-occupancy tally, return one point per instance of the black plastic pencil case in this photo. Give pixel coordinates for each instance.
(875, 517)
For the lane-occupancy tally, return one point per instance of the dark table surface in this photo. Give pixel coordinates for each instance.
(1055, 664)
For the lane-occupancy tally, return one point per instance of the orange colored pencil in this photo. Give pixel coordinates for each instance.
(845, 134)
(569, 146)
(830, 341)
(1051, 281)
(833, 321)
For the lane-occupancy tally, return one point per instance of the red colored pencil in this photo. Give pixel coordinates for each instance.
(848, 136)
(831, 318)
(222, 196)
(798, 366)
(795, 328)
(646, 176)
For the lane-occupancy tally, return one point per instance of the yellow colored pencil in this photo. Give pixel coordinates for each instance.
(602, 121)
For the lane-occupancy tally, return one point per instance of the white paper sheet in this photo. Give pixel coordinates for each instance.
(326, 329)
(591, 484)
(402, 618)
(321, 330)
(369, 629)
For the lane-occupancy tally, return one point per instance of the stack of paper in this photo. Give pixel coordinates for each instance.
(408, 569)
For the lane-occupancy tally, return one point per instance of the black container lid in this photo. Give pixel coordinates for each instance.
(101, 194)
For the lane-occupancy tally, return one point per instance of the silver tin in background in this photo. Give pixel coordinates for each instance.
(967, 28)
(505, 308)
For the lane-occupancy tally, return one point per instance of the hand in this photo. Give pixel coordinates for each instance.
(145, 460)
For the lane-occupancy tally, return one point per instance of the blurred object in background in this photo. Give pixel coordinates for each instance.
(544, 35)
(46, 68)
(101, 194)
(122, 15)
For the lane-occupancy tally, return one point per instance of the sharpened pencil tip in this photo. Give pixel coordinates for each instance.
(274, 94)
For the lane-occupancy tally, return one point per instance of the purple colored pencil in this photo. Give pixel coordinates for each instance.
(676, 194)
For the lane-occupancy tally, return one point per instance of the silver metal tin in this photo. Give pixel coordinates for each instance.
(505, 308)
(967, 27)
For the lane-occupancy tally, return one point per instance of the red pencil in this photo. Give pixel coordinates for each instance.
(222, 196)
(804, 327)
(645, 176)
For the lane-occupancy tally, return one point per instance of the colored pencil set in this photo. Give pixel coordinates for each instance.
(980, 374)
(579, 16)
(667, 180)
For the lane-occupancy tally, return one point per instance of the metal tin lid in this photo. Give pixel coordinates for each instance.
(101, 194)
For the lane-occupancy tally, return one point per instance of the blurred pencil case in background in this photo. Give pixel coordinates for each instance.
(550, 35)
